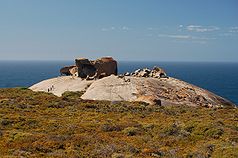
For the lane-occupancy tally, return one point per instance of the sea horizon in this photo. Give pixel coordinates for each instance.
(70, 60)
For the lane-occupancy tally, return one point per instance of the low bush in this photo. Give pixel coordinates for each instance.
(39, 124)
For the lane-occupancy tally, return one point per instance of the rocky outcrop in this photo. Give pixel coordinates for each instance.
(163, 91)
(68, 70)
(96, 69)
(59, 85)
(144, 85)
(156, 72)
(105, 66)
(157, 91)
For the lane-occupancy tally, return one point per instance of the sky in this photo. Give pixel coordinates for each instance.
(132, 30)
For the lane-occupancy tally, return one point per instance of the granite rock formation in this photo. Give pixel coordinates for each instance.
(98, 80)
(162, 91)
(59, 85)
(91, 69)
(156, 91)
(68, 70)
(156, 72)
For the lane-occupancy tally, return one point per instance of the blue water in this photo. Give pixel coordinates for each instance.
(220, 78)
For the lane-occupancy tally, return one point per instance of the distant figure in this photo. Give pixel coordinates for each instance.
(48, 90)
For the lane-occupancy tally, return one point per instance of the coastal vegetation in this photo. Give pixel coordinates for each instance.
(40, 124)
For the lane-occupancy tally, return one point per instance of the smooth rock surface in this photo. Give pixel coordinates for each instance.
(59, 85)
(159, 91)
(169, 91)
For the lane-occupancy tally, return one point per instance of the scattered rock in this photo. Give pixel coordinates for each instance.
(120, 76)
(143, 74)
(156, 72)
(127, 74)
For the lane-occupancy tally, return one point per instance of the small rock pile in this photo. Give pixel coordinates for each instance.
(156, 72)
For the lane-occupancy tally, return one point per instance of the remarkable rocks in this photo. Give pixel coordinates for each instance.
(96, 69)
(98, 80)
(91, 69)
(68, 70)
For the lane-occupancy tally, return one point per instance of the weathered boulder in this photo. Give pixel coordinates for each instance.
(85, 68)
(68, 70)
(105, 66)
(156, 72)
(96, 68)
(74, 71)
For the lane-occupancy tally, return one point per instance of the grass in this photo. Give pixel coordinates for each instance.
(38, 124)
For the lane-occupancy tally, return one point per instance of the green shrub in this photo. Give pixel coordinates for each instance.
(172, 130)
(131, 131)
(72, 95)
(23, 88)
(39, 124)
(110, 128)
(214, 132)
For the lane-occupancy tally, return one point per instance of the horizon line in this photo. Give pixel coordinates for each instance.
(67, 60)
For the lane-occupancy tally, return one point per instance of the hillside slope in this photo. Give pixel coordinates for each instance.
(39, 124)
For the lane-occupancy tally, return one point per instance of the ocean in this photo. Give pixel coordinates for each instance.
(218, 77)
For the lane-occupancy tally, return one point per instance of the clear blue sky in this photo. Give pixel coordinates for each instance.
(158, 30)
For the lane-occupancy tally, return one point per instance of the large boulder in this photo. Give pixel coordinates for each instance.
(96, 68)
(74, 71)
(68, 70)
(105, 66)
(85, 68)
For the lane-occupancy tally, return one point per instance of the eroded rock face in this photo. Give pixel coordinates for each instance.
(68, 70)
(85, 68)
(96, 69)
